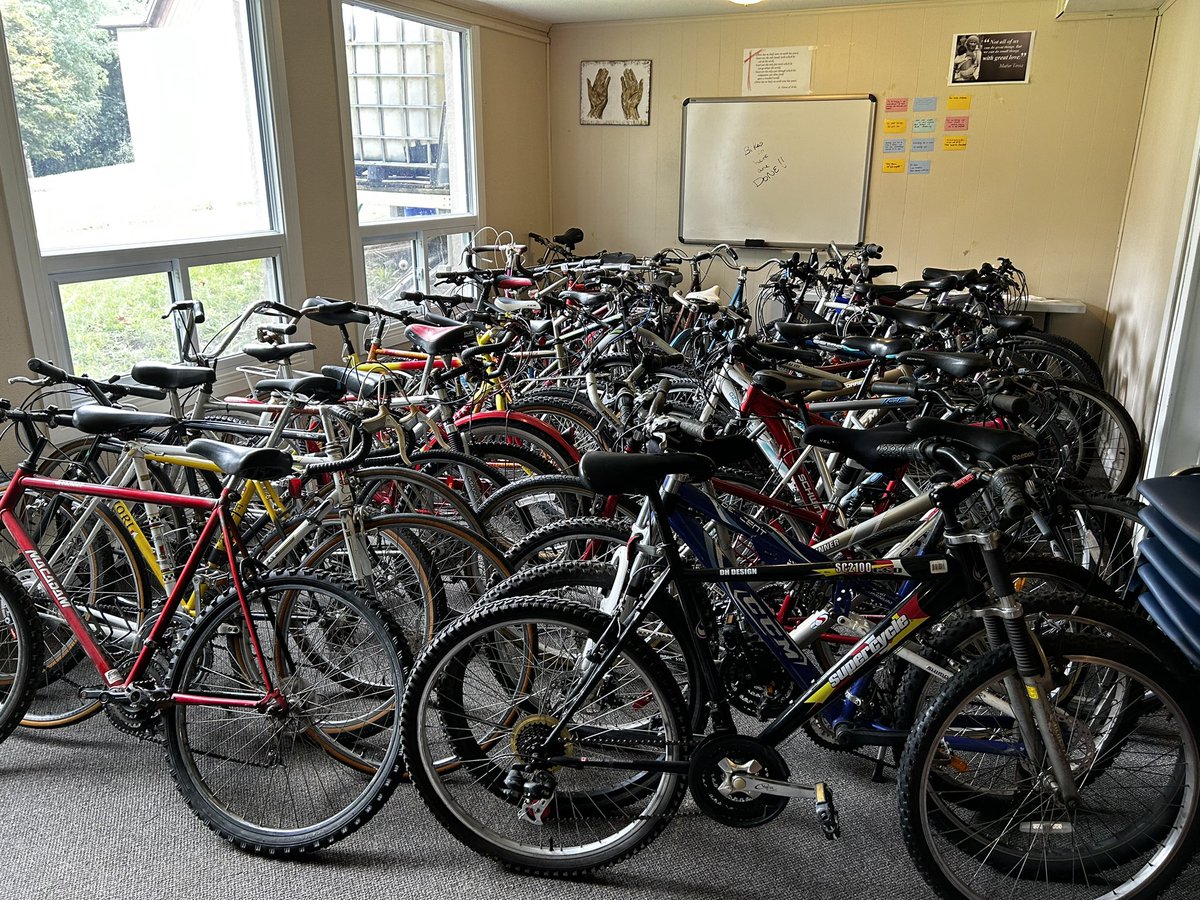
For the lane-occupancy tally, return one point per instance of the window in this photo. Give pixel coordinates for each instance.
(412, 142)
(148, 170)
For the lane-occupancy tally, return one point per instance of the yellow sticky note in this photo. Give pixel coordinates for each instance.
(959, 101)
(893, 165)
(895, 126)
(954, 142)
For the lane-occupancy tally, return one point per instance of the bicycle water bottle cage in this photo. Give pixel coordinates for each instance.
(172, 376)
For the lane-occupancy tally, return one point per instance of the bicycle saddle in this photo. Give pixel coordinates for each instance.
(876, 271)
(879, 348)
(797, 333)
(990, 445)
(908, 316)
(586, 299)
(965, 276)
(264, 352)
(360, 382)
(639, 473)
(932, 285)
(258, 463)
(320, 388)
(866, 446)
(93, 419)
(328, 311)
(438, 340)
(789, 387)
(957, 365)
(1011, 324)
(886, 294)
(172, 375)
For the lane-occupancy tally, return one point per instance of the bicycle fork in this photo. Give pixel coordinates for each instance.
(1030, 691)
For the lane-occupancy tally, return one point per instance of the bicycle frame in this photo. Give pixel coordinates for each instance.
(219, 519)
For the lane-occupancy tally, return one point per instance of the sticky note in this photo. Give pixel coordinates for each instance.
(893, 165)
(918, 167)
(954, 142)
(924, 124)
(923, 145)
(894, 145)
(924, 104)
(895, 126)
(959, 101)
(896, 104)
(956, 123)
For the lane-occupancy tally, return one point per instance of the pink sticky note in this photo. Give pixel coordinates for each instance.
(896, 104)
(956, 123)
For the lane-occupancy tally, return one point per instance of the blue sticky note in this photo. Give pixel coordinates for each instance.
(894, 145)
(924, 104)
(918, 167)
(922, 145)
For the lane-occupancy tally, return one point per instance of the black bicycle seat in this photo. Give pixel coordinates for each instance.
(172, 376)
(258, 463)
(639, 473)
(92, 419)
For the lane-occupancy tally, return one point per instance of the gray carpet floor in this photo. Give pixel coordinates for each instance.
(89, 811)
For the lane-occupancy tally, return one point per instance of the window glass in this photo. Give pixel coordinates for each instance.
(445, 253)
(407, 116)
(391, 270)
(139, 120)
(116, 322)
(226, 289)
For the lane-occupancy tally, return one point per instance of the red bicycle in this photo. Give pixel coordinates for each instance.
(277, 703)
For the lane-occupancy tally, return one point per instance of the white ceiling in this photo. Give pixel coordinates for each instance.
(555, 12)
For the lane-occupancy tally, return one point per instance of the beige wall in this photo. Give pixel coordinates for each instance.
(1043, 180)
(1141, 281)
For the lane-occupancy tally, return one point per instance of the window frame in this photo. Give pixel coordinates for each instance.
(40, 272)
(415, 228)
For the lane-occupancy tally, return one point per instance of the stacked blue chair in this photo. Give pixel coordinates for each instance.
(1169, 563)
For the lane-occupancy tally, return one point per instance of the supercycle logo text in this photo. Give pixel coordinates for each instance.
(875, 643)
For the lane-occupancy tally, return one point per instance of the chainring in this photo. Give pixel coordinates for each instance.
(706, 777)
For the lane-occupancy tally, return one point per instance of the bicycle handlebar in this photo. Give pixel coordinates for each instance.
(56, 375)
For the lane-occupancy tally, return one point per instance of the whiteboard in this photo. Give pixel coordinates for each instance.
(775, 171)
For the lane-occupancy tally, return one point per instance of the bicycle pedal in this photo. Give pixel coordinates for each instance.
(826, 812)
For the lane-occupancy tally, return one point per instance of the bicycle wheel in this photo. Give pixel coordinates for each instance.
(1058, 357)
(470, 476)
(981, 819)
(403, 490)
(524, 506)
(584, 538)
(102, 570)
(493, 762)
(402, 574)
(293, 773)
(21, 652)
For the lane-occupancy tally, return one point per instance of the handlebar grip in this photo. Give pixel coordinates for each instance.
(890, 389)
(914, 452)
(697, 431)
(872, 251)
(283, 309)
(133, 390)
(1009, 405)
(47, 369)
(1008, 487)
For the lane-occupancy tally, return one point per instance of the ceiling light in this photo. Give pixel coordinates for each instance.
(745, 2)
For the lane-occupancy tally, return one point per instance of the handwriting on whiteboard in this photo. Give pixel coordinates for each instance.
(764, 168)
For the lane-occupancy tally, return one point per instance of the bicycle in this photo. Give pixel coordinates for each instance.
(288, 675)
(551, 737)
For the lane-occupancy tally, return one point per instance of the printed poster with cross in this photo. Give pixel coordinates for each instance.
(776, 70)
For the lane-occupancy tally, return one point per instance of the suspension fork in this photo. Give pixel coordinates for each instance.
(1031, 689)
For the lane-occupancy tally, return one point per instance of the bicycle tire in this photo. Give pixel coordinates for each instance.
(361, 769)
(21, 651)
(431, 713)
(583, 538)
(939, 745)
